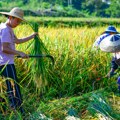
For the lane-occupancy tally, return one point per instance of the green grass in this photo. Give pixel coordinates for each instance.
(59, 108)
(70, 21)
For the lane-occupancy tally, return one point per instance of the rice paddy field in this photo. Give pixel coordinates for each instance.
(75, 87)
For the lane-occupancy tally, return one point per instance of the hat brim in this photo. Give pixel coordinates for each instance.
(111, 43)
(8, 14)
(112, 31)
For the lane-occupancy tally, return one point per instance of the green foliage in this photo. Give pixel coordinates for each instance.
(45, 5)
(25, 2)
(0, 4)
(76, 106)
(71, 21)
(98, 104)
(73, 12)
(113, 9)
(96, 8)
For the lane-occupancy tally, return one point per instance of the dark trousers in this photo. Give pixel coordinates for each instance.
(114, 65)
(15, 98)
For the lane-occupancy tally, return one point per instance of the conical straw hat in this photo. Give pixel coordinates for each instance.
(111, 43)
(15, 12)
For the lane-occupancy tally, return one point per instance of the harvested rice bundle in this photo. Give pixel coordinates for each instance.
(38, 68)
(99, 107)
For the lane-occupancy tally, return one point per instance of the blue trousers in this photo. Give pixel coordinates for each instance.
(15, 98)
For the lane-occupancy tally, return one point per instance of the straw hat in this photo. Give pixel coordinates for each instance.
(111, 29)
(111, 43)
(15, 12)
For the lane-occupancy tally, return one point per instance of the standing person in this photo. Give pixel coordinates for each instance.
(109, 31)
(7, 52)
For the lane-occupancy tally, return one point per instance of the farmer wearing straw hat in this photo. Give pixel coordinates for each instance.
(7, 52)
(109, 31)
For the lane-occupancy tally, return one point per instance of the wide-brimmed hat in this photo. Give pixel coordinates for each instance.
(15, 12)
(111, 29)
(111, 43)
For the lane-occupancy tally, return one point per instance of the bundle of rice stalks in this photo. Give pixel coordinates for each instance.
(38, 69)
(99, 108)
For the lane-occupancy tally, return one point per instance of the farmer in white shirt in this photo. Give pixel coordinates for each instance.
(7, 52)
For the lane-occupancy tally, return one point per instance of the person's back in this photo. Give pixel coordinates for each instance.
(96, 44)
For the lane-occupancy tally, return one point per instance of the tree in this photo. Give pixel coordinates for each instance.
(77, 4)
(70, 2)
(25, 2)
(96, 7)
(114, 9)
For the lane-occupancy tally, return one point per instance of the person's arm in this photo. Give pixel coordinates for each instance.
(22, 40)
(6, 49)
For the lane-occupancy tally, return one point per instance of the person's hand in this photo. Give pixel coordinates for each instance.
(23, 55)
